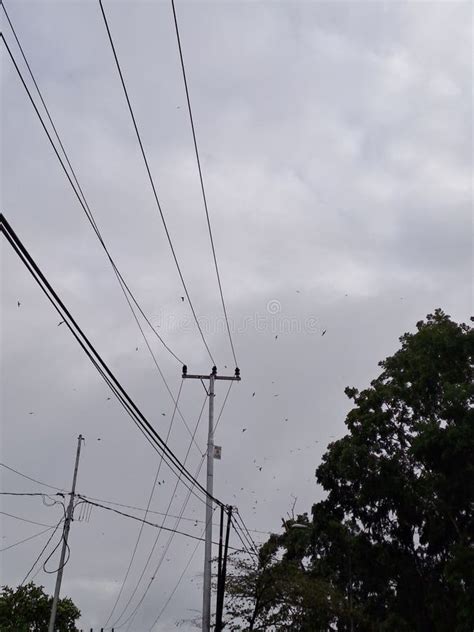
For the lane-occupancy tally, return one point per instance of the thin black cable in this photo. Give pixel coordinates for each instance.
(160, 513)
(145, 516)
(86, 208)
(203, 191)
(159, 533)
(39, 524)
(82, 200)
(42, 551)
(170, 539)
(31, 537)
(146, 429)
(7, 467)
(138, 417)
(150, 177)
(191, 557)
(151, 524)
(238, 533)
(253, 545)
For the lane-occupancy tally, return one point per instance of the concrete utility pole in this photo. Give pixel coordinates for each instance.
(206, 595)
(67, 525)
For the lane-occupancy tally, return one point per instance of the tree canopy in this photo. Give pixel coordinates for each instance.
(391, 546)
(28, 608)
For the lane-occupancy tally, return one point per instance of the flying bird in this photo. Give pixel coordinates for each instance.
(260, 469)
(324, 331)
(182, 299)
(18, 303)
(276, 337)
(253, 394)
(136, 348)
(61, 323)
(31, 413)
(98, 438)
(163, 414)
(108, 398)
(244, 429)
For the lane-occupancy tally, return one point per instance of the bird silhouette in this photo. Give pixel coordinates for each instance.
(163, 414)
(18, 303)
(136, 348)
(61, 323)
(244, 429)
(324, 331)
(253, 394)
(108, 398)
(276, 337)
(182, 299)
(31, 413)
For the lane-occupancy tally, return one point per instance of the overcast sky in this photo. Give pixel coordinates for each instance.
(336, 144)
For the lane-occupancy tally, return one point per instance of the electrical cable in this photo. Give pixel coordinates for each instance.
(36, 535)
(201, 180)
(191, 557)
(78, 192)
(170, 539)
(39, 524)
(42, 551)
(150, 177)
(7, 467)
(159, 532)
(137, 416)
(85, 206)
(146, 514)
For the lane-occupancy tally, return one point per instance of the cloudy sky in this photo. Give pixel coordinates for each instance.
(336, 144)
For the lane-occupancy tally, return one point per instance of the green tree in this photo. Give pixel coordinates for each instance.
(391, 548)
(27, 609)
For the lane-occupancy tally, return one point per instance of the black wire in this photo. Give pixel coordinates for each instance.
(196, 151)
(249, 537)
(36, 535)
(170, 539)
(151, 524)
(82, 200)
(145, 516)
(39, 524)
(177, 583)
(42, 551)
(85, 206)
(159, 533)
(150, 435)
(7, 467)
(150, 177)
(139, 419)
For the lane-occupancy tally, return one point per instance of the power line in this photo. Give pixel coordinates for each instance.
(201, 180)
(146, 514)
(42, 551)
(159, 533)
(150, 177)
(170, 539)
(86, 208)
(39, 524)
(131, 408)
(36, 535)
(79, 191)
(59, 489)
(177, 583)
(147, 522)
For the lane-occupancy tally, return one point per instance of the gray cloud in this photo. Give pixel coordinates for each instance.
(336, 141)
